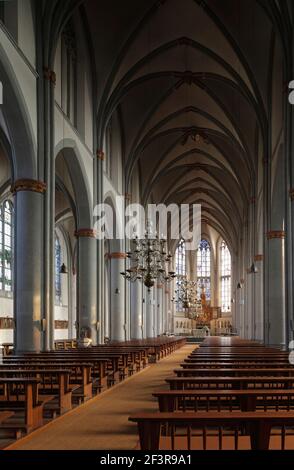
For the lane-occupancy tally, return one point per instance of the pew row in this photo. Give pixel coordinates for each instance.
(169, 426)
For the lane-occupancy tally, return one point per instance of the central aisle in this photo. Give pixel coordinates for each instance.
(102, 423)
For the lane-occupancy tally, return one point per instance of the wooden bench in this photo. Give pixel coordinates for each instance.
(4, 415)
(20, 395)
(186, 383)
(80, 370)
(229, 400)
(54, 383)
(257, 424)
(235, 365)
(189, 372)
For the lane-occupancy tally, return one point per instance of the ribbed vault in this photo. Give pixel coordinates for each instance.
(190, 85)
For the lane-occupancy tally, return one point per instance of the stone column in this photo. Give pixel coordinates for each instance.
(87, 283)
(117, 296)
(28, 265)
(149, 314)
(106, 327)
(291, 260)
(167, 304)
(275, 328)
(144, 295)
(154, 312)
(159, 310)
(258, 296)
(136, 310)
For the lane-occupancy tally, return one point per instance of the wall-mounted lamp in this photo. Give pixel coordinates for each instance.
(63, 269)
(43, 324)
(239, 285)
(117, 291)
(253, 269)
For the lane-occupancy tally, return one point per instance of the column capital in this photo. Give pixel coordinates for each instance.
(117, 255)
(100, 154)
(26, 184)
(85, 232)
(50, 75)
(128, 196)
(273, 234)
(258, 258)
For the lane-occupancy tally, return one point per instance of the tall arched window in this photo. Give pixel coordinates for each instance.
(181, 259)
(180, 266)
(57, 270)
(6, 245)
(225, 280)
(203, 268)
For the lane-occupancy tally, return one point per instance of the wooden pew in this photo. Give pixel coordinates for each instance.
(239, 360)
(235, 341)
(258, 426)
(4, 415)
(80, 370)
(112, 364)
(20, 395)
(54, 383)
(250, 371)
(235, 365)
(187, 383)
(228, 400)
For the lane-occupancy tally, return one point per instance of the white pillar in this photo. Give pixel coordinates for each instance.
(258, 291)
(87, 283)
(28, 267)
(149, 314)
(276, 318)
(136, 310)
(117, 296)
(159, 310)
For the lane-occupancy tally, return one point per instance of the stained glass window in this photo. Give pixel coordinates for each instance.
(225, 284)
(6, 245)
(204, 269)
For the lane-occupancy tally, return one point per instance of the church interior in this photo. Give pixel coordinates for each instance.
(139, 343)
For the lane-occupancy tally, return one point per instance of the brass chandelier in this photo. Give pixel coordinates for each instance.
(149, 260)
(186, 293)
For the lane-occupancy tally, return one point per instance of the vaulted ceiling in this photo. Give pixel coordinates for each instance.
(190, 80)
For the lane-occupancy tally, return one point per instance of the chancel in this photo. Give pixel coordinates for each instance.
(122, 336)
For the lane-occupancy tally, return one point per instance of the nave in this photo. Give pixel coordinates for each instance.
(226, 394)
(112, 112)
(102, 423)
(36, 388)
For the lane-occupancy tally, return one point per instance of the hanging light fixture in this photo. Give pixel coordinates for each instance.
(63, 269)
(149, 260)
(186, 293)
(253, 269)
